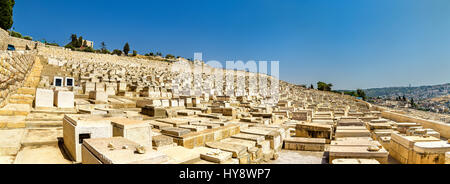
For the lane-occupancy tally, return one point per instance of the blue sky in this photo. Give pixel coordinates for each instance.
(350, 43)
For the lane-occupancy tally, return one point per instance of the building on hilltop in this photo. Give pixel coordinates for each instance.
(89, 43)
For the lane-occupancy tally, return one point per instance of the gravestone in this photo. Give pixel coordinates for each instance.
(44, 98)
(64, 99)
(69, 82)
(58, 81)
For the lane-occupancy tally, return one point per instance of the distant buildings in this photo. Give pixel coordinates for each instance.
(89, 43)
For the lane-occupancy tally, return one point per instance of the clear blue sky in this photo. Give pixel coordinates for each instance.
(350, 43)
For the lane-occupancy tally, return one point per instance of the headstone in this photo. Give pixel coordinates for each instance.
(69, 82)
(64, 99)
(58, 81)
(44, 98)
(98, 96)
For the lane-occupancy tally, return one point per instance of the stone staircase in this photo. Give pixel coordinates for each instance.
(18, 104)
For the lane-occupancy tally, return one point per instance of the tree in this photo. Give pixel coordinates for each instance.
(361, 94)
(413, 105)
(74, 39)
(6, 14)
(80, 42)
(103, 46)
(324, 86)
(170, 56)
(134, 53)
(311, 87)
(117, 52)
(126, 49)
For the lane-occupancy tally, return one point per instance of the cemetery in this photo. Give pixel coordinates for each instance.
(104, 109)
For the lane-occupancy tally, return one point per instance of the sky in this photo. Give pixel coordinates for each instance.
(349, 43)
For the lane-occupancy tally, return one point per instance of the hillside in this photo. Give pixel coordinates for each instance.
(421, 92)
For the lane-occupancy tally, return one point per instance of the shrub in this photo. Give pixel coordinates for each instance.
(52, 44)
(27, 38)
(88, 49)
(117, 52)
(170, 56)
(16, 34)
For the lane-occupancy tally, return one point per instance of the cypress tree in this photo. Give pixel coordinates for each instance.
(126, 49)
(6, 14)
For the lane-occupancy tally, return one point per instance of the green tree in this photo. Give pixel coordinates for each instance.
(16, 34)
(74, 39)
(134, 53)
(170, 56)
(103, 48)
(80, 42)
(126, 49)
(311, 87)
(324, 86)
(6, 14)
(413, 104)
(361, 94)
(117, 52)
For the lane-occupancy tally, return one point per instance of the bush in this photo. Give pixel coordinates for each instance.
(69, 46)
(117, 52)
(134, 53)
(104, 51)
(170, 56)
(27, 38)
(52, 44)
(88, 49)
(16, 34)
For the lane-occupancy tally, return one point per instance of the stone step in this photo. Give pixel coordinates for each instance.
(43, 124)
(12, 122)
(15, 110)
(26, 91)
(41, 136)
(10, 141)
(21, 99)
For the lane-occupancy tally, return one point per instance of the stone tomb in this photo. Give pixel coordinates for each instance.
(64, 99)
(402, 147)
(352, 131)
(357, 151)
(157, 112)
(305, 144)
(310, 130)
(429, 152)
(98, 96)
(119, 150)
(44, 98)
(77, 128)
(355, 161)
(134, 130)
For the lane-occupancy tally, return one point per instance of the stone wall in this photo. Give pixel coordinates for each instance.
(14, 67)
(4, 39)
(63, 54)
(442, 128)
(19, 43)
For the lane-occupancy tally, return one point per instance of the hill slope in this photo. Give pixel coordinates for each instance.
(421, 92)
